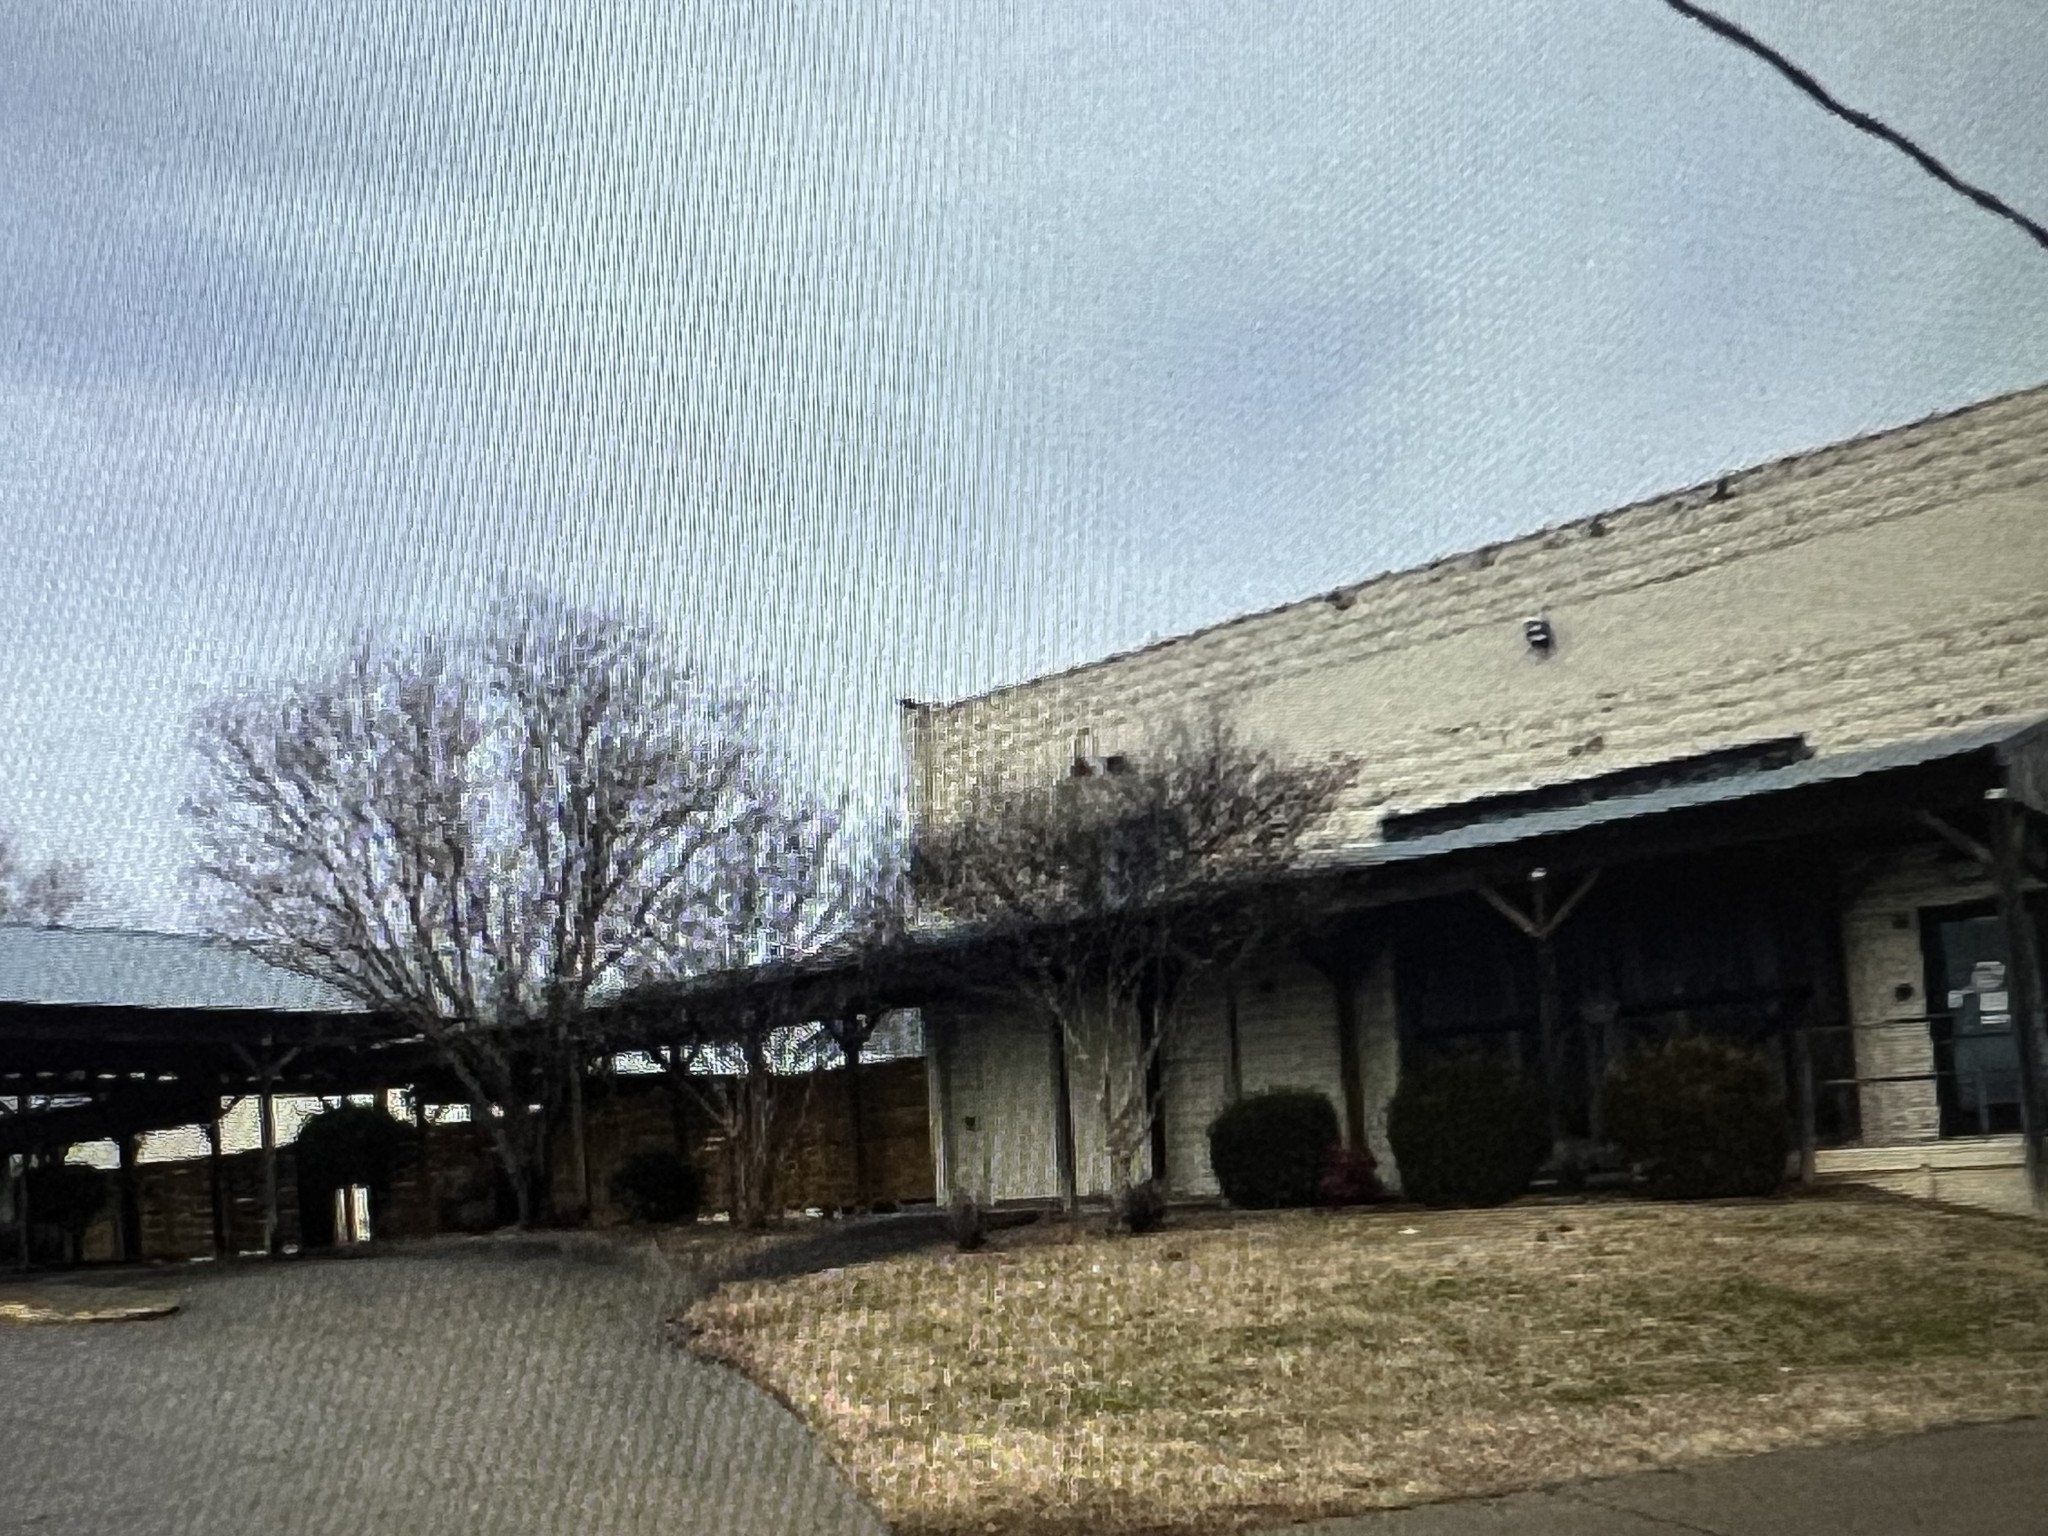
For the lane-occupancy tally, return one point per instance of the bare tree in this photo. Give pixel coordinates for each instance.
(739, 1038)
(45, 895)
(475, 836)
(1103, 897)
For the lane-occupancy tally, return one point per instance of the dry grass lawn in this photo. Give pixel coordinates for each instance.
(1234, 1372)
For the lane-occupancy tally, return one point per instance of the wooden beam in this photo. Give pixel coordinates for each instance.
(1541, 923)
(1510, 911)
(1956, 838)
(1571, 902)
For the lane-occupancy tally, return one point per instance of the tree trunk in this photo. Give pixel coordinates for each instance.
(1063, 1121)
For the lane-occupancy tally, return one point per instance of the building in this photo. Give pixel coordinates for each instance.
(1739, 738)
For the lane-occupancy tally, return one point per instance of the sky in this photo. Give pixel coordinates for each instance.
(908, 350)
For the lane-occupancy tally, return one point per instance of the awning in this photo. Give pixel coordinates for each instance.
(2006, 741)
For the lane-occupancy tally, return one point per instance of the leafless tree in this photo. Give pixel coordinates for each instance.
(45, 895)
(477, 836)
(1103, 897)
(740, 1037)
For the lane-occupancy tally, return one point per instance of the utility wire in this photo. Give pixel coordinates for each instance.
(1722, 27)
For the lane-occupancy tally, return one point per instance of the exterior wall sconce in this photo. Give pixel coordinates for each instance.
(1539, 634)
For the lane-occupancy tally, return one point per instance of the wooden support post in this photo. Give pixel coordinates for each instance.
(1596, 1022)
(130, 1202)
(1802, 1061)
(579, 1151)
(21, 1213)
(1344, 983)
(266, 1115)
(1334, 955)
(217, 1186)
(1548, 1001)
(2022, 980)
(856, 1121)
(430, 1210)
(939, 1094)
(1540, 923)
(265, 1068)
(1233, 1066)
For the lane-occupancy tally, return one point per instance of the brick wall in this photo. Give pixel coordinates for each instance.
(1882, 588)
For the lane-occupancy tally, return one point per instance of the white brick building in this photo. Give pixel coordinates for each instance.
(1767, 722)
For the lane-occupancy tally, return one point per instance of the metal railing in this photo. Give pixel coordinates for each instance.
(1977, 1096)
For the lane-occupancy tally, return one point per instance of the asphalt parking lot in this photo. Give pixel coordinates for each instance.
(496, 1386)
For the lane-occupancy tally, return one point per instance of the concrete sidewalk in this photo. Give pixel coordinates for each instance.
(1976, 1480)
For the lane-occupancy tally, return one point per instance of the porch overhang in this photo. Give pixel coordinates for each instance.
(1889, 786)
(1875, 787)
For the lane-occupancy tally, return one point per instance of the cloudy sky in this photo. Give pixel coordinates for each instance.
(886, 350)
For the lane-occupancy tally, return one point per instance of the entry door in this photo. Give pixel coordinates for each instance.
(1975, 1049)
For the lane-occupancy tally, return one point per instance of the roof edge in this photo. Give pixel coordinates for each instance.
(1711, 486)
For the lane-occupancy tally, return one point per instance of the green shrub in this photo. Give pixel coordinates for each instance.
(339, 1148)
(67, 1196)
(1140, 1209)
(1351, 1177)
(967, 1222)
(1465, 1130)
(1702, 1116)
(349, 1145)
(1270, 1149)
(658, 1186)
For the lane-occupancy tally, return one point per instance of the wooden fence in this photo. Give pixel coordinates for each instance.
(451, 1182)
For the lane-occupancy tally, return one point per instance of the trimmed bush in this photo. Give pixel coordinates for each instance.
(658, 1186)
(1270, 1149)
(1465, 1130)
(968, 1223)
(340, 1148)
(1351, 1177)
(1702, 1116)
(68, 1197)
(1141, 1208)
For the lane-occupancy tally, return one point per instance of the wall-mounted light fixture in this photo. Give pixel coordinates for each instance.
(1539, 634)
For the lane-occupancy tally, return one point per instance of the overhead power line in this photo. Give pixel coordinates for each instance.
(1720, 26)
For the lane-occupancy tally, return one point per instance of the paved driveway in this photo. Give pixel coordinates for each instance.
(494, 1387)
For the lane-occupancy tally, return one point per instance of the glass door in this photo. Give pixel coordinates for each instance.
(1975, 1051)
